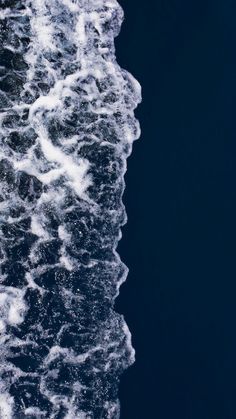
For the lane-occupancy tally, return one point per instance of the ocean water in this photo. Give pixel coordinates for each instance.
(180, 241)
(67, 126)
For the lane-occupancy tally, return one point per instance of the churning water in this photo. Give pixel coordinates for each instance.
(66, 129)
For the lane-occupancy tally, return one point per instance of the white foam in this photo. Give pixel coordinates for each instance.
(38, 228)
(42, 26)
(12, 306)
(76, 172)
(72, 76)
(72, 6)
(36, 412)
(66, 262)
(63, 233)
(44, 103)
(6, 406)
(80, 29)
(32, 284)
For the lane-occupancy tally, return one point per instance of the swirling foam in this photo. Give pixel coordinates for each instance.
(66, 129)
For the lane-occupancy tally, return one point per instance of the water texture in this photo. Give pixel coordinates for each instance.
(66, 129)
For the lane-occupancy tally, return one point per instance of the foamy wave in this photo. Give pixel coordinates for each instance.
(67, 126)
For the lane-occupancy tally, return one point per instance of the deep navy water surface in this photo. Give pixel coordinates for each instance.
(180, 241)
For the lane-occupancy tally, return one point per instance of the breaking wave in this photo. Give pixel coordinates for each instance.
(66, 129)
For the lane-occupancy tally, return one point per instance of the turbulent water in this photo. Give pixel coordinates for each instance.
(66, 129)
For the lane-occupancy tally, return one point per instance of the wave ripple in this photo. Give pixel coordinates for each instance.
(66, 129)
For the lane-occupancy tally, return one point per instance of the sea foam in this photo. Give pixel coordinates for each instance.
(67, 126)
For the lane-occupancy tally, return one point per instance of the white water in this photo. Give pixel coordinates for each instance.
(66, 129)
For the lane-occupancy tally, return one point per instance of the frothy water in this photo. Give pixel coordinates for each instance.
(66, 129)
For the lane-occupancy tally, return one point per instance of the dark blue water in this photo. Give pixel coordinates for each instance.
(180, 242)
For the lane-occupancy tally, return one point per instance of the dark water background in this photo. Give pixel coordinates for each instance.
(180, 241)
